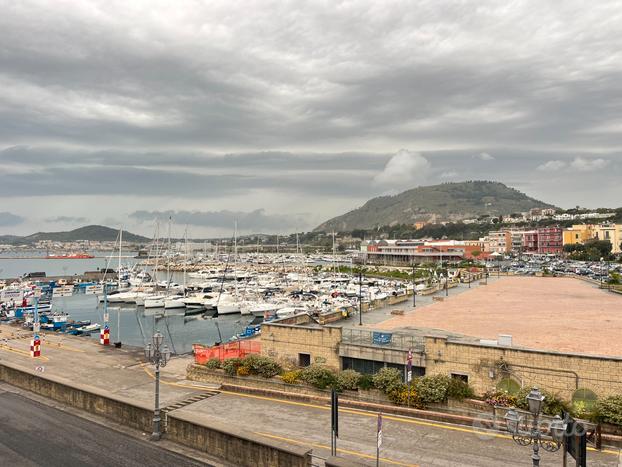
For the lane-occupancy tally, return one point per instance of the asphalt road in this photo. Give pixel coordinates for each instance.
(33, 434)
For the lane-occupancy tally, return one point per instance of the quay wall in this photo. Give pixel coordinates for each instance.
(231, 445)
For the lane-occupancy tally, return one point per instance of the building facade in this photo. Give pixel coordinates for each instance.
(550, 240)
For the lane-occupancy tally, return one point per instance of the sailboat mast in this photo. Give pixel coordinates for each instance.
(120, 246)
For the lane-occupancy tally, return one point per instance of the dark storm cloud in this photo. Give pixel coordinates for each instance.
(8, 219)
(256, 220)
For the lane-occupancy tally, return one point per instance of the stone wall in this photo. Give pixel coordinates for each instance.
(556, 372)
(285, 342)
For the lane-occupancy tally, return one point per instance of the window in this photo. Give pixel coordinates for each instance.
(461, 377)
(304, 359)
(583, 400)
(508, 385)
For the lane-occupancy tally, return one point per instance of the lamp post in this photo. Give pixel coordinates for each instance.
(158, 355)
(414, 288)
(361, 296)
(533, 436)
(601, 272)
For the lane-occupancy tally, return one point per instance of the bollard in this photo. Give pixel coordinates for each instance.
(104, 336)
(35, 347)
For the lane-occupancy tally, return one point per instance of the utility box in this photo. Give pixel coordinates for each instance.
(505, 340)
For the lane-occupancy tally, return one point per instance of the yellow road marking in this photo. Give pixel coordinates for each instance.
(359, 412)
(345, 451)
(22, 352)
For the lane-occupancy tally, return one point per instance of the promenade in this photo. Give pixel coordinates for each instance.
(407, 441)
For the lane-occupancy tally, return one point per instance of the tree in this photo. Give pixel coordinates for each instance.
(604, 247)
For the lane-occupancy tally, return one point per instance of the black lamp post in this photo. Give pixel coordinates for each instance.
(361, 297)
(533, 436)
(157, 355)
(414, 288)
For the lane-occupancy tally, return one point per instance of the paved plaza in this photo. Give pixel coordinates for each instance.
(558, 314)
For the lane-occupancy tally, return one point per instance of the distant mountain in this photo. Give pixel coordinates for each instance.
(90, 232)
(445, 202)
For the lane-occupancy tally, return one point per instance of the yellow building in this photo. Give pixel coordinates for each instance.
(582, 233)
(578, 234)
(611, 232)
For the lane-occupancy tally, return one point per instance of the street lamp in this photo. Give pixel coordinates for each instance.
(414, 288)
(534, 436)
(158, 355)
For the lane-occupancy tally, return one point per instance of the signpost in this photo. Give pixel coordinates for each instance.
(381, 338)
(575, 442)
(378, 439)
(334, 421)
(409, 373)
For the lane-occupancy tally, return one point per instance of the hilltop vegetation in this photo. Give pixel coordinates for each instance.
(445, 202)
(98, 233)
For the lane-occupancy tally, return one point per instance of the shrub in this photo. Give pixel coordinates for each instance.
(243, 371)
(319, 377)
(609, 410)
(432, 389)
(500, 398)
(348, 379)
(262, 366)
(387, 379)
(213, 363)
(400, 395)
(231, 366)
(291, 377)
(553, 404)
(366, 382)
(459, 390)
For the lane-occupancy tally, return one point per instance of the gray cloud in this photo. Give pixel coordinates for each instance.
(8, 219)
(302, 106)
(66, 220)
(256, 221)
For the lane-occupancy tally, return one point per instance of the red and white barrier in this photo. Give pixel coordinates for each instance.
(104, 336)
(35, 347)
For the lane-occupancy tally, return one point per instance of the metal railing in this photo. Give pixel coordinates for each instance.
(395, 341)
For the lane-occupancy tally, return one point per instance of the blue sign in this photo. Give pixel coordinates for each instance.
(381, 338)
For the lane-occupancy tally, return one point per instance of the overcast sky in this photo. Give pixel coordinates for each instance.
(283, 114)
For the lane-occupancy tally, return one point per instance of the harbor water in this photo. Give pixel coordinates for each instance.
(128, 324)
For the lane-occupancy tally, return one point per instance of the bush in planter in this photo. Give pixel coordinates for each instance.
(291, 377)
(213, 363)
(432, 389)
(319, 377)
(243, 371)
(500, 399)
(553, 404)
(387, 379)
(459, 390)
(262, 366)
(400, 396)
(609, 410)
(231, 366)
(348, 379)
(366, 382)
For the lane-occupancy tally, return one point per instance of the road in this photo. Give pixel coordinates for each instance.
(33, 434)
(406, 441)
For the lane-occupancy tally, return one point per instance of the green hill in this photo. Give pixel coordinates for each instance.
(445, 202)
(90, 232)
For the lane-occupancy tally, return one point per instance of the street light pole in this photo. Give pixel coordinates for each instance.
(361, 296)
(157, 355)
(534, 436)
(414, 288)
